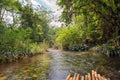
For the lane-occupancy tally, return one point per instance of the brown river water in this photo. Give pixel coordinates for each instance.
(56, 65)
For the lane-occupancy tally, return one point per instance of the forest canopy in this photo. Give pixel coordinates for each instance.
(90, 22)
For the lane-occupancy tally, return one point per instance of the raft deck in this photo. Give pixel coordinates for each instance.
(90, 76)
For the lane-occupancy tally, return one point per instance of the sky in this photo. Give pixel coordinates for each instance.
(50, 5)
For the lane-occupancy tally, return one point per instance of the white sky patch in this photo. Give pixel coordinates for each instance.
(56, 24)
(56, 11)
(7, 17)
(34, 3)
(51, 4)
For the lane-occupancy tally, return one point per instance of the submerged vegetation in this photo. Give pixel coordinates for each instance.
(35, 68)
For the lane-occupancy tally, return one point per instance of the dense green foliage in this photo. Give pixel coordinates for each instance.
(27, 34)
(87, 23)
(90, 22)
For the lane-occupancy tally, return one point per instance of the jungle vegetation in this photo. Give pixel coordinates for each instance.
(26, 34)
(91, 22)
(87, 24)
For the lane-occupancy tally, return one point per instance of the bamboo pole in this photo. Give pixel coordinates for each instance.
(68, 77)
(89, 77)
(93, 75)
(75, 76)
(86, 77)
(78, 76)
(71, 78)
(82, 77)
(99, 77)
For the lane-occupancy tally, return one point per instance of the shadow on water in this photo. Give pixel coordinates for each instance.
(58, 64)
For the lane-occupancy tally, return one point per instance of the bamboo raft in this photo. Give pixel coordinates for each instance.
(90, 76)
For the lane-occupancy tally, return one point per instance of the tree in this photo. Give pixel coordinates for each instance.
(25, 35)
(102, 17)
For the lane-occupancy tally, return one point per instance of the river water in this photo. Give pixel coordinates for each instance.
(56, 65)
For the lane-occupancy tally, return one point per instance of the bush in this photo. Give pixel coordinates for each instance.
(38, 47)
(78, 47)
(110, 50)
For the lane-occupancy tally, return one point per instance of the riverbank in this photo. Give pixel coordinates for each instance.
(15, 56)
(108, 50)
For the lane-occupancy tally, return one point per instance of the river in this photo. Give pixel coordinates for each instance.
(56, 65)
